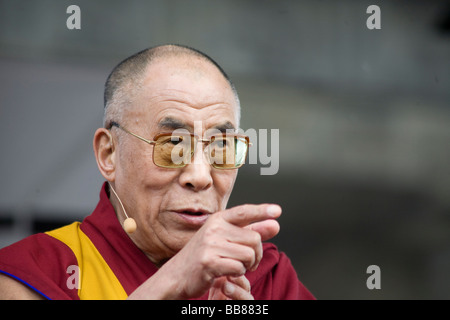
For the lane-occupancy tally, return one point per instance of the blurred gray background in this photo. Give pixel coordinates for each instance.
(364, 120)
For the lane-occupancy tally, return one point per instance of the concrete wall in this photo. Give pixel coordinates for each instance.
(363, 117)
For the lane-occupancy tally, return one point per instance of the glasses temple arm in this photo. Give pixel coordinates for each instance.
(115, 124)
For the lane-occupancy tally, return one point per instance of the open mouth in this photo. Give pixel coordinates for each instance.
(193, 216)
(193, 212)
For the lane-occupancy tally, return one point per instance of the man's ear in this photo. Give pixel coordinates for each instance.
(105, 153)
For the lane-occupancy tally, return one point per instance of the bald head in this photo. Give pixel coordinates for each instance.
(126, 79)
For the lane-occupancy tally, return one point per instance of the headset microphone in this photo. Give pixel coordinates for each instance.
(129, 225)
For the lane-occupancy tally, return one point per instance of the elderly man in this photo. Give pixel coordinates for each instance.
(169, 151)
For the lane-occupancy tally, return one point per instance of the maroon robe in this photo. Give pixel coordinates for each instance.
(41, 261)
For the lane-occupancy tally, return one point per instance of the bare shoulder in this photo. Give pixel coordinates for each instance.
(11, 289)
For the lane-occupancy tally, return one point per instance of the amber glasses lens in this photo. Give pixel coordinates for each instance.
(173, 151)
(227, 152)
(223, 151)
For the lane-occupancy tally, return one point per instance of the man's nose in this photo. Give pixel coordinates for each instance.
(197, 174)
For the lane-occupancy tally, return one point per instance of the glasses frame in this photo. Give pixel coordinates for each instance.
(197, 139)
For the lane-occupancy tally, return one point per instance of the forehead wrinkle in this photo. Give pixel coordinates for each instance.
(174, 84)
(168, 90)
(174, 113)
(185, 98)
(172, 123)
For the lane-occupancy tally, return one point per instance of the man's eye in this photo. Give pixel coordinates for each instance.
(176, 140)
(172, 140)
(220, 143)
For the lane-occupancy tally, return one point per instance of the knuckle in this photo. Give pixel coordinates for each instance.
(203, 259)
(256, 238)
(240, 269)
(206, 258)
(240, 211)
(249, 256)
(236, 268)
(213, 228)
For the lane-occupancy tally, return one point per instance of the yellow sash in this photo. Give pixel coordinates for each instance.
(96, 279)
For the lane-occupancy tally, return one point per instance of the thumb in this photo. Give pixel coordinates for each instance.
(215, 293)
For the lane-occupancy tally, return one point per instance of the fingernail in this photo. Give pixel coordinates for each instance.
(273, 210)
(228, 288)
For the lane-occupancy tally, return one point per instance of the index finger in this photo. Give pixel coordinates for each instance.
(246, 214)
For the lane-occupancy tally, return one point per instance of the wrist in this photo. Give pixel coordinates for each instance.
(158, 287)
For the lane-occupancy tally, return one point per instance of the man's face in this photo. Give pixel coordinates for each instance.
(170, 205)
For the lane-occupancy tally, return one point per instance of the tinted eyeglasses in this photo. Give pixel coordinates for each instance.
(177, 149)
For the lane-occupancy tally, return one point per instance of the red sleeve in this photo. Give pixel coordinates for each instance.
(40, 262)
(276, 278)
(286, 285)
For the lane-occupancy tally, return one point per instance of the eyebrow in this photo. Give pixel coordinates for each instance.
(170, 123)
(225, 126)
